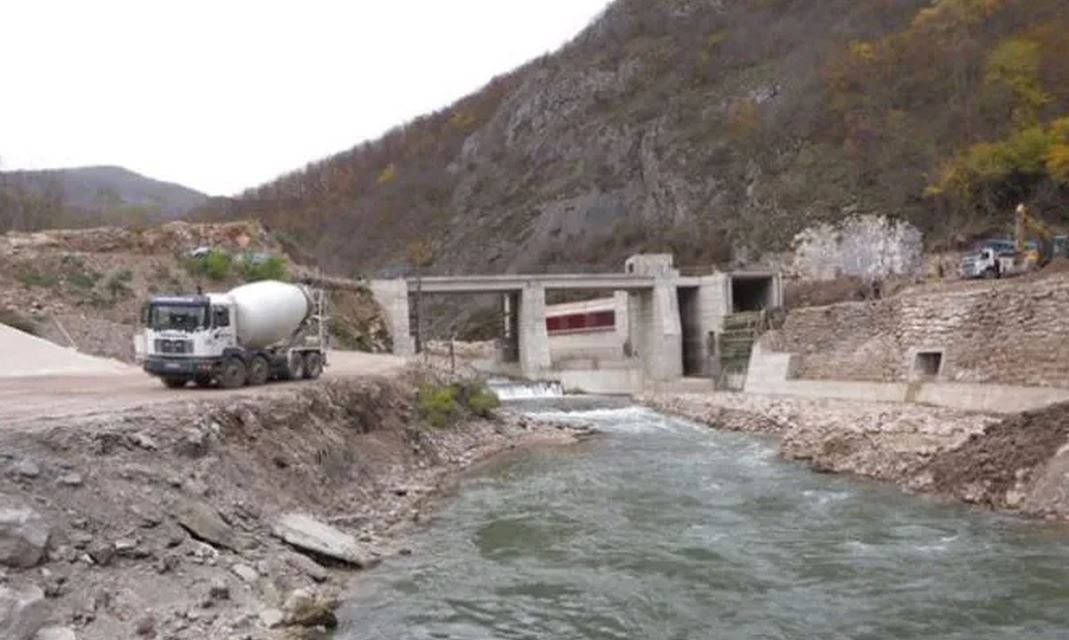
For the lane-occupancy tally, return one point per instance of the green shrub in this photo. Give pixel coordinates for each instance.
(254, 269)
(214, 265)
(217, 265)
(438, 405)
(84, 280)
(34, 278)
(443, 404)
(483, 403)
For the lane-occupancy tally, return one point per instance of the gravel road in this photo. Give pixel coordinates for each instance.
(40, 400)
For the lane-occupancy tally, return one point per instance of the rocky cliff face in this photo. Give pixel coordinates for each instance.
(704, 127)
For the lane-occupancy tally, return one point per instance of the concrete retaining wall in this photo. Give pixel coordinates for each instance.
(837, 390)
(985, 398)
(770, 374)
(995, 398)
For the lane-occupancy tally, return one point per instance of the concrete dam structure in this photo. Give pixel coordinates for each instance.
(655, 327)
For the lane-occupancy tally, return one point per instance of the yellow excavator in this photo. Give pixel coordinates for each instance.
(1033, 246)
(1035, 240)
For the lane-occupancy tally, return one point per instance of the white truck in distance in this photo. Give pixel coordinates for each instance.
(255, 333)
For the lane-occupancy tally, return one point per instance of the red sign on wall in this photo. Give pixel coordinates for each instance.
(582, 322)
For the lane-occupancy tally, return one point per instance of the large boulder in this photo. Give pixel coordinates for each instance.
(203, 522)
(22, 612)
(310, 535)
(24, 534)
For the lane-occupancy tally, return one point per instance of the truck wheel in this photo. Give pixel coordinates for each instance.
(174, 383)
(313, 365)
(259, 371)
(233, 374)
(295, 367)
(990, 274)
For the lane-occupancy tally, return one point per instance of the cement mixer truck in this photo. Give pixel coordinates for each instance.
(253, 334)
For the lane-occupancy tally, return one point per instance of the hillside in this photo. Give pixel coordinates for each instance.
(717, 130)
(89, 196)
(84, 288)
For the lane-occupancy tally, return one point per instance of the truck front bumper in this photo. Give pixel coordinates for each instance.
(185, 368)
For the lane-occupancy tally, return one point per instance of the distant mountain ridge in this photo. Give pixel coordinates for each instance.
(96, 186)
(84, 196)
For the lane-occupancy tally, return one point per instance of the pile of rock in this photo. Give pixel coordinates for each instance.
(248, 588)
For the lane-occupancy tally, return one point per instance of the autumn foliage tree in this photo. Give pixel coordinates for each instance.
(964, 91)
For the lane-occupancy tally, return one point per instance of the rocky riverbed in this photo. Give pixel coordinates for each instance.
(244, 518)
(893, 442)
(1016, 463)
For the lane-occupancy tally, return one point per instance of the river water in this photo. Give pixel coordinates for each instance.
(664, 529)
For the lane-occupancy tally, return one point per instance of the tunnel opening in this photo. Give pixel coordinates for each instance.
(751, 293)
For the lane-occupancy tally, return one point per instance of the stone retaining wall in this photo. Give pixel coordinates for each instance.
(1013, 332)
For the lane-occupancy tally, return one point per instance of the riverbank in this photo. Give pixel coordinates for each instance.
(1017, 463)
(242, 517)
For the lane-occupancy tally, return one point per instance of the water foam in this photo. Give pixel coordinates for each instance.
(629, 419)
(509, 390)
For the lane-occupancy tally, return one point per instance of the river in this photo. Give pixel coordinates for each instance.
(662, 529)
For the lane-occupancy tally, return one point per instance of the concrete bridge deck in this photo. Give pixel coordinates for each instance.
(517, 283)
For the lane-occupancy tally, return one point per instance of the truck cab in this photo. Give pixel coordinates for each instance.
(997, 259)
(185, 337)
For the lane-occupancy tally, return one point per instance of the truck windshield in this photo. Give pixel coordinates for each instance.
(175, 317)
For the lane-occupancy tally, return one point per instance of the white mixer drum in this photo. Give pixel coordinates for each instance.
(268, 312)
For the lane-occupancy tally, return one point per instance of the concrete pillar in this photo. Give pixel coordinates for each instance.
(657, 334)
(713, 293)
(392, 296)
(623, 318)
(534, 338)
(509, 345)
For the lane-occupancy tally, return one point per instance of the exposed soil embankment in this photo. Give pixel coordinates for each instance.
(166, 522)
(1019, 463)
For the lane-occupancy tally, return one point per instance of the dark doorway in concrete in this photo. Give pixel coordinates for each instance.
(928, 364)
(695, 356)
(752, 293)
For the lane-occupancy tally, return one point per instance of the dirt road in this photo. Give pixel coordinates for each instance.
(42, 400)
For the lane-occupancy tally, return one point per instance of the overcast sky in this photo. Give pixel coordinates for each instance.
(221, 95)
